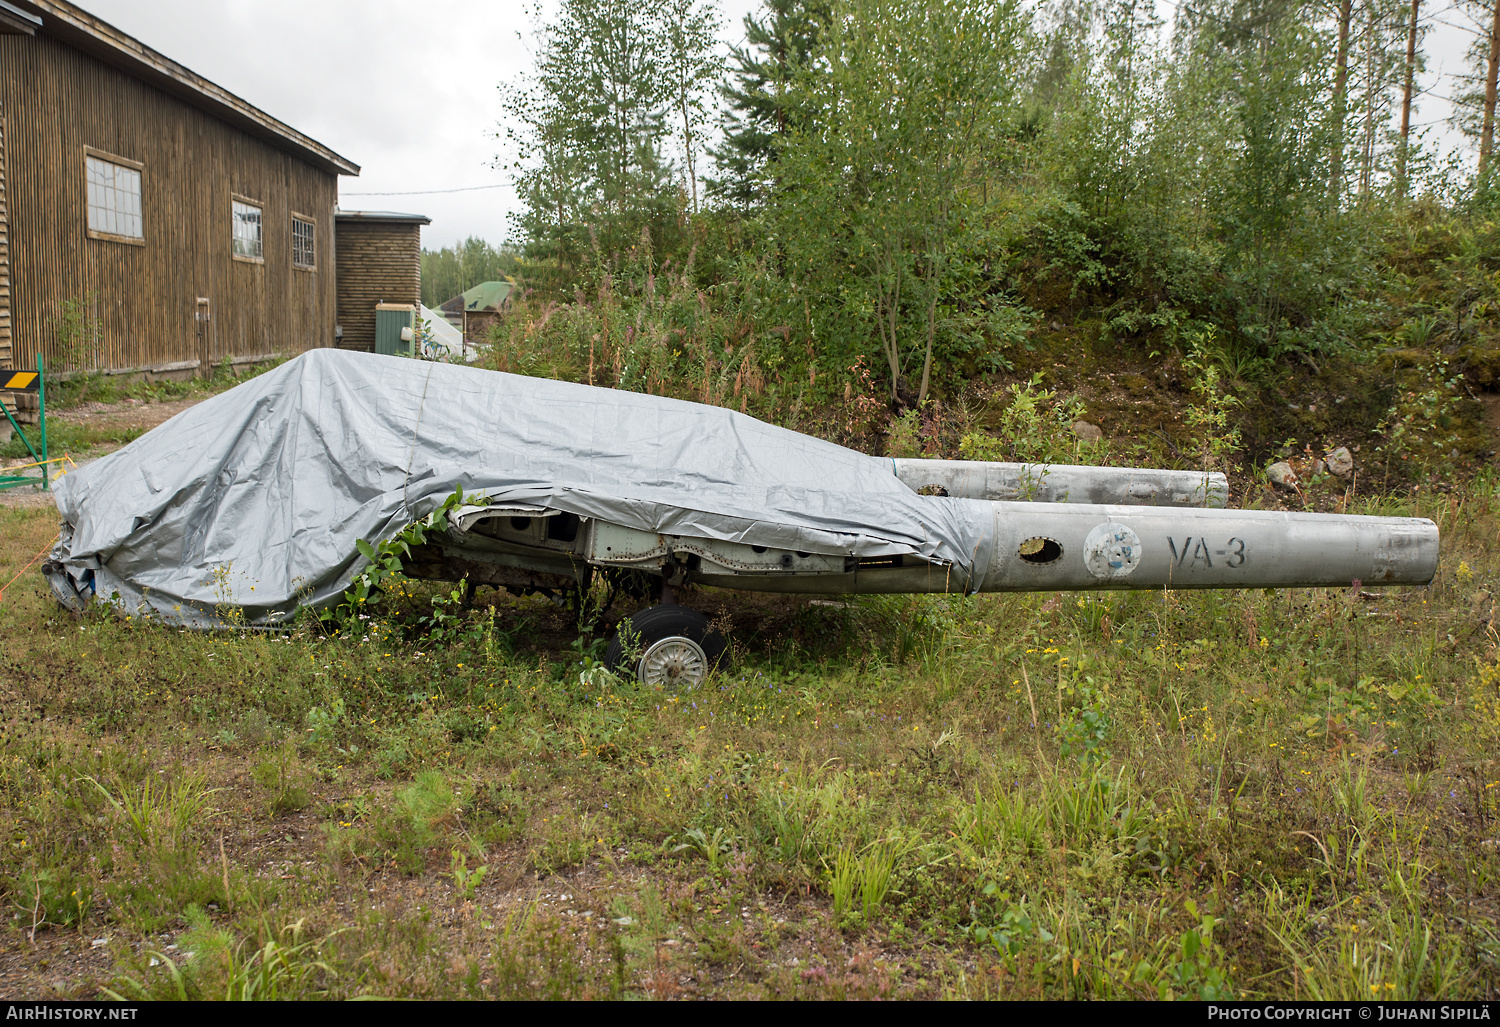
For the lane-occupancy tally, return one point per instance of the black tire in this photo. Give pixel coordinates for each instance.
(659, 624)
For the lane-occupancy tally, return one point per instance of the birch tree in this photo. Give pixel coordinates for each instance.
(876, 188)
(691, 68)
(589, 126)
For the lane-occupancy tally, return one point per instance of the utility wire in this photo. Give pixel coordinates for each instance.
(1461, 28)
(1426, 18)
(433, 192)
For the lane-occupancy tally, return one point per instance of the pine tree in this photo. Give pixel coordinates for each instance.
(758, 110)
(1474, 107)
(1413, 33)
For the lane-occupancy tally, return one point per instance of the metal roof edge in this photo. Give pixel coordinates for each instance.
(83, 31)
(389, 216)
(15, 20)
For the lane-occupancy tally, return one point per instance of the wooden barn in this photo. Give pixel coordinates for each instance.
(151, 220)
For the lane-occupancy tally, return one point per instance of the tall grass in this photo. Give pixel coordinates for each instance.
(1029, 798)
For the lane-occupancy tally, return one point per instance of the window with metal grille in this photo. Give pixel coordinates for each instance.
(247, 234)
(303, 252)
(114, 194)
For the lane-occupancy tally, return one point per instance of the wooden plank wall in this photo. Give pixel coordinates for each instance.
(57, 101)
(5, 354)
(377, 263)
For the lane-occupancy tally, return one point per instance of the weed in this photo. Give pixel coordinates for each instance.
(219, 967)
(713, 847)
(77, 336)
(283, 777)
(1196, 972)
(861, 879)
(1035, 428)
(425, 811)
(1083, 736)
(466, 881)
(1010, 928)
(1208, 416)
(51, 896)
(160, 816)
(324, 724)
(384, 570)
(1418, 429)
(905, 437)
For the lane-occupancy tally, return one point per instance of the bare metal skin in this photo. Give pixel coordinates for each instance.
(1064, 483)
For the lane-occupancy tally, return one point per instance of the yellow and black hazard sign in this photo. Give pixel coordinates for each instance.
(22, 381)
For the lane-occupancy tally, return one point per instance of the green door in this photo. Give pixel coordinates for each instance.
(390, 320)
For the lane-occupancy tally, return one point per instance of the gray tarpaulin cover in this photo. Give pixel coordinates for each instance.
(254, 499)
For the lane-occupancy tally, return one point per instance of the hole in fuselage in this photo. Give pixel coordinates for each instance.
(520, 523)
(563, 527)
(1040, 549)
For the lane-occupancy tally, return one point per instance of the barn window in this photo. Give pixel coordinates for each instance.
(114, 198)
(248, 242)
(304, 253)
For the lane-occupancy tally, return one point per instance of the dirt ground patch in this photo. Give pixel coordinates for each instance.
(130, 413)
(1491, 401)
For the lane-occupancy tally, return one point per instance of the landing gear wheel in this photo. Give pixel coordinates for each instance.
(668, 647)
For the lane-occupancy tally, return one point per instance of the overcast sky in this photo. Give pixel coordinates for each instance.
(413, 98)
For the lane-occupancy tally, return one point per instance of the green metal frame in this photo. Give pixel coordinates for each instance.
(10, 481)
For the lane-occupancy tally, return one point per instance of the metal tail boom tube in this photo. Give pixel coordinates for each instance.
(1132, 547)
(1075, 547)
(1064, 483)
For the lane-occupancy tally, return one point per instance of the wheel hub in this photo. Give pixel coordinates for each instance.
(674, 663)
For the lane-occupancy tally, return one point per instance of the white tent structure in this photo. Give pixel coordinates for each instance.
(443, 341)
